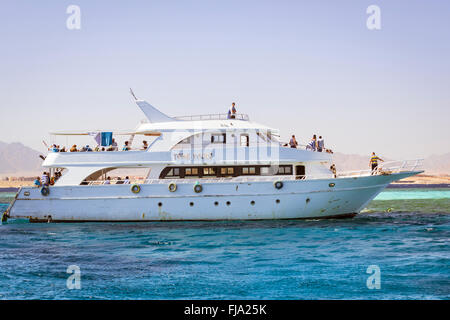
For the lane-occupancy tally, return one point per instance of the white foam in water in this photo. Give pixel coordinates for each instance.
(413, 194)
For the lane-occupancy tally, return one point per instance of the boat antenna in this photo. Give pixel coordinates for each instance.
(132, 93)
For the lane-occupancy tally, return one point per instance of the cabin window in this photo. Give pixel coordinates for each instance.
(249, 170)
(226, 171)
(285, 170)
(219, 138)
(181, 172)
(300, 171)
(209, 171)
(245, 140)
(191, 171)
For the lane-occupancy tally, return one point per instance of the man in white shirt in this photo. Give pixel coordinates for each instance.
(320, 144)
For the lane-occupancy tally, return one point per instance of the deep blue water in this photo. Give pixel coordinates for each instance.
(324, 259)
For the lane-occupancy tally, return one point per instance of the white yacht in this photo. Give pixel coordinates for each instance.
(208, 167)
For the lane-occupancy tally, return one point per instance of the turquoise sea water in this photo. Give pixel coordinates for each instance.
(404, 232)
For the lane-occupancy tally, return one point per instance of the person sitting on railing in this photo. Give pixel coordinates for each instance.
(232, 111)
(127, 180)
(293, 142)
(374, 163)
(126, 147)
(312, 145)
(107, 181)
(144, 145)
(113, 146)
(119, 181)
(74, 148)
(87, 149)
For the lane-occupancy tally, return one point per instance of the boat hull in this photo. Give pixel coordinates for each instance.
(297, 199)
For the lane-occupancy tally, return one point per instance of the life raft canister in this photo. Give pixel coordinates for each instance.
(172, 187)
(45, 191)
(278, 184)
(135, 188)
(198, 188)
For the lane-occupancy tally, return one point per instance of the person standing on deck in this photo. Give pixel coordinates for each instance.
(320, 144)
(232, 111)
(374, 162)
(293, 142)
(45, 179)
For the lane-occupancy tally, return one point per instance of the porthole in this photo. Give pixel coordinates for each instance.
(159, 204)
(252, 203)
(277, 201)
(191, 204)
(331, 185)
(216, 203)
(228, 203)
(308, 200)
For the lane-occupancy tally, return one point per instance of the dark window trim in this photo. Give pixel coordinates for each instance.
(218, 134)
(237, 171)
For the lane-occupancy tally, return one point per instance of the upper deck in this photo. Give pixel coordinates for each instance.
(213, 116)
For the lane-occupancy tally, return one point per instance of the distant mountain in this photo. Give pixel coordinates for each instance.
(17, 159)
(435, 164)
(438, 164)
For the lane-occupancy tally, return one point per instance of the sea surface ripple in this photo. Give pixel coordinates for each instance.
(312, 259)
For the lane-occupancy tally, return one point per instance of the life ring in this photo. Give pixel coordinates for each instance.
(135, 188)
(198, 188)
(45, 191)
(278, 184)
(172, 187)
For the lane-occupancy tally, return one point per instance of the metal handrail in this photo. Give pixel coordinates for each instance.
(214, 116)
(387, 168)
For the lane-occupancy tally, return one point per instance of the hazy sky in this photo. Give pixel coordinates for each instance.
(302, 66)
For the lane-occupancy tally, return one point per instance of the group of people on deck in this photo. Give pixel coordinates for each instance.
(45, 180)
(87, 148)
(314, 145)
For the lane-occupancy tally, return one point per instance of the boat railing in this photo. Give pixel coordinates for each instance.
(214, 116)
(386, 168)
(303, 147)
